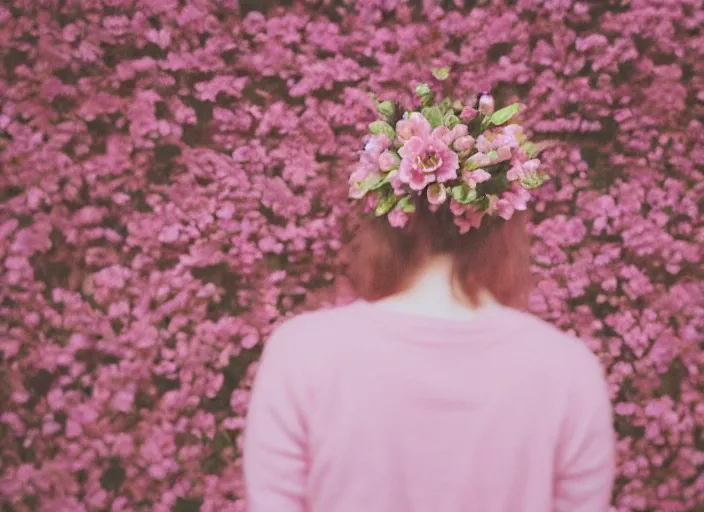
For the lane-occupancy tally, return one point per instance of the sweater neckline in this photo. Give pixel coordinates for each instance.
(484, 322)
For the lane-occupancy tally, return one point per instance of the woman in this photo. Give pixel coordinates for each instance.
(432, 393)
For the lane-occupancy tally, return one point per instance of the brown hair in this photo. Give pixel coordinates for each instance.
(384, 260)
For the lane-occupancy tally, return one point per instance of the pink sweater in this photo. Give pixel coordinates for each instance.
(360, 409)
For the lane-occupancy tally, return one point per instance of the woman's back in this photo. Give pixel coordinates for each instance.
(361, 408)
(428, 396)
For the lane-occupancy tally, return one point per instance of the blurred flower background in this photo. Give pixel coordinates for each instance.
(174, 180)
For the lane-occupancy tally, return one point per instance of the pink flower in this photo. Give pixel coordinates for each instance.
(523, 170)
(468, 113)
(388, 160)
(123, 446)
(367, 169)
(157, 471)
(531, 166)
(510, 202)
(169, 234)
(369, 157)
(456, 208)
(13, 421)
(123, 400)
(233, 423)
(479, 160)
(466, 216)
(460, 130)
(73, 429)
(493, 201)
(56, 399)
(503, 154)
(505, 139)
(358, 179)
(464, 143)
(504, 208)
(484, 145)
(377, 144)
(415, 126)
(513, 130)
(85, 414)
(442, 132)
(396, 183)
(398, 218)
(50, 427)
(415, 178)
(361, 171)
(437, 194)
(370, 202)
(426, 161)
(449, 135)
(473, 178)
(515, 173)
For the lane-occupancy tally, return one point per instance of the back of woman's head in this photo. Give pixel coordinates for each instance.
(494, 258)
(445, 180)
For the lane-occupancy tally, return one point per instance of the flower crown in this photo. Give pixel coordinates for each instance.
(465, 157)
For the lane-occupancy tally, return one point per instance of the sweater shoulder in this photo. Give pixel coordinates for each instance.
(321, 319)
(314, 327)
(556, 346)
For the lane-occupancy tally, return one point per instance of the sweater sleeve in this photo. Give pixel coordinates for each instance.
(586, 448)
(275, 448)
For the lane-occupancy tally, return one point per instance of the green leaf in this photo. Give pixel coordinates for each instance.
(385, 205)
(451, 120)
(457, 106)
(446, 104)
(482, 203)
(463, 194)
(382, 127)
(531, 182)
(504, 114)
(531, 149)
(383, 181)
(493, 155)
(386, 108)
(425, 94)
(423, 90)
(486, 122)
(433, 115)
(441, 73)
(407, 205)
(473, 162)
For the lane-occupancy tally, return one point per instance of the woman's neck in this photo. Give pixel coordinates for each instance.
(433, 294)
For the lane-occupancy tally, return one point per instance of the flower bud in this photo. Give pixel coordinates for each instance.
(486, 104)
(382, 127)
(437, 194)
(425, 94)
(464, 143)
(386, 108)
(423, 90)
(467, 114)
(441, 73)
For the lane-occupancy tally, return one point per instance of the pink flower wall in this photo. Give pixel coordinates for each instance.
(174, 176)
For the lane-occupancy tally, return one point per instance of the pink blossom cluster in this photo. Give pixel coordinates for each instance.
(174, 181)
(430, 156)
